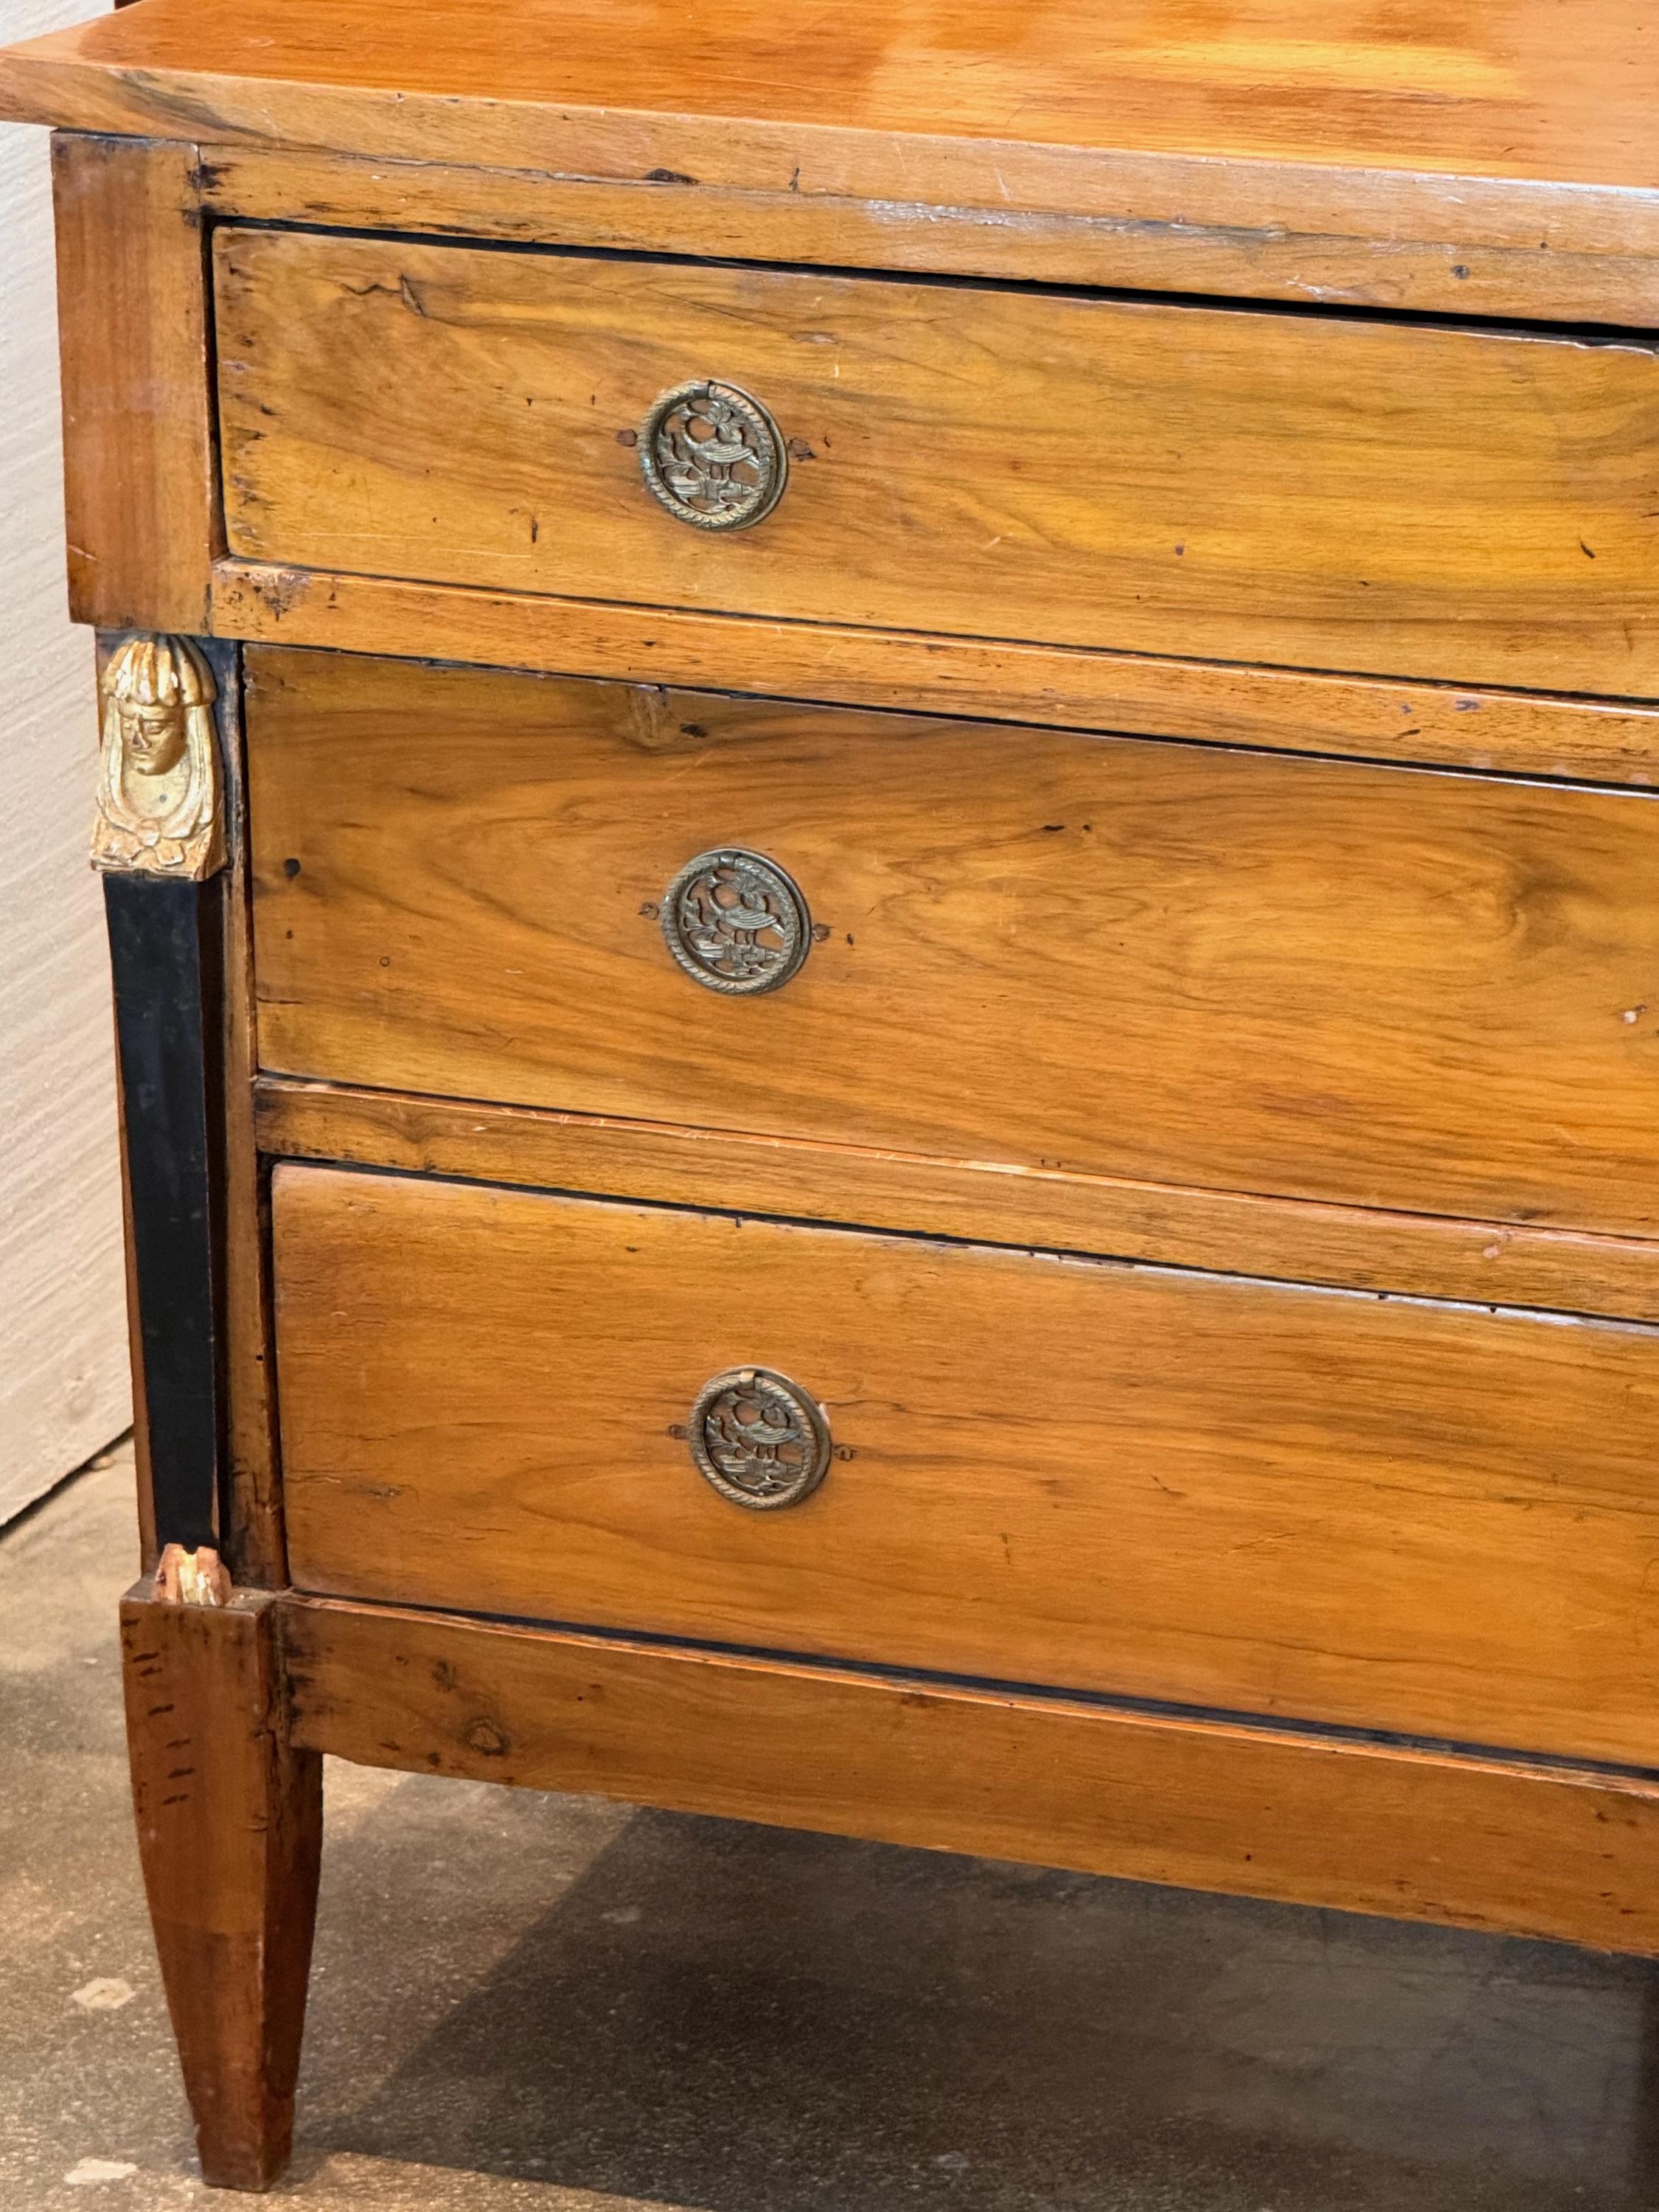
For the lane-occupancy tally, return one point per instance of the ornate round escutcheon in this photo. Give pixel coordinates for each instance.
(758, 1438)
(735, 922)
(713, 456)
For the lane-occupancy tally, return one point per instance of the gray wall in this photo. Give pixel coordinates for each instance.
(63, 1389)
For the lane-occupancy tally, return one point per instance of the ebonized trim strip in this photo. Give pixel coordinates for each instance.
(163, 939)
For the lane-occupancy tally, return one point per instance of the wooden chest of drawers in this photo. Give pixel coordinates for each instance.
(882, 841)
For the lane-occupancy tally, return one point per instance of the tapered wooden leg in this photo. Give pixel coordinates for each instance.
(229, 1831)
(229, 1814)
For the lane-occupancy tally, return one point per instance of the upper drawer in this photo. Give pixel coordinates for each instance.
(1474, 505)
(1243, 970)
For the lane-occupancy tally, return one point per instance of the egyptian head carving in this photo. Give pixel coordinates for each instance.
(158, 810)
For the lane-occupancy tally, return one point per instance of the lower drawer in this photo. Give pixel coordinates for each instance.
(1307, 1503)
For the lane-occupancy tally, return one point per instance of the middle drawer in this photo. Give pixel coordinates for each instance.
(1319, 979)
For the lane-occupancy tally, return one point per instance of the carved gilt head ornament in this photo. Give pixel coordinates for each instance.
(158, 810)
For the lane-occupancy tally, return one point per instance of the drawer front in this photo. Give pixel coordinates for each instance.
(1474, 505)
(1246, 971)
(1296, 1502)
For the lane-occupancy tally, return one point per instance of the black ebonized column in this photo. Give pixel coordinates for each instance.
(164, 952)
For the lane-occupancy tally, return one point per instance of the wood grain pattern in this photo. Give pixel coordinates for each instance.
(1286, 710)
(1159, 962)
(1302, 1504)
(229, 1817)
(1512, 93)
(139, 467)
(1244, 252)
(1069, 470)
(253, 1498)
(1369, 1827)
(1232, 1232)
(1520, 124)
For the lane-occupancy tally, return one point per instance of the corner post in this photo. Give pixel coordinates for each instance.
(158, 840)
(229, 1815)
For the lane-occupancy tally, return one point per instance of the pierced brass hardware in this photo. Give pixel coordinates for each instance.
(713, 456)
(160, 809)
(759, 1439)
(736, 923)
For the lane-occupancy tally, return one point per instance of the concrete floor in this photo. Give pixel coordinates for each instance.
(563, 2006)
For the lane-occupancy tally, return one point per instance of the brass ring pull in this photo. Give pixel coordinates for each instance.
(713, 456)
(735, 922)
(759, 1439)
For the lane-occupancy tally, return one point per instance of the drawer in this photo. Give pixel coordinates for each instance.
(1158, 1483)
(1238, 971)
(1473, 504)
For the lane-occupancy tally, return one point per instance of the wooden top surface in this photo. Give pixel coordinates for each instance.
(977, 102)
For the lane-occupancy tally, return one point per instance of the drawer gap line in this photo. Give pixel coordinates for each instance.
(1634, 340)
(1103, 1701)
(1069, 1254)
